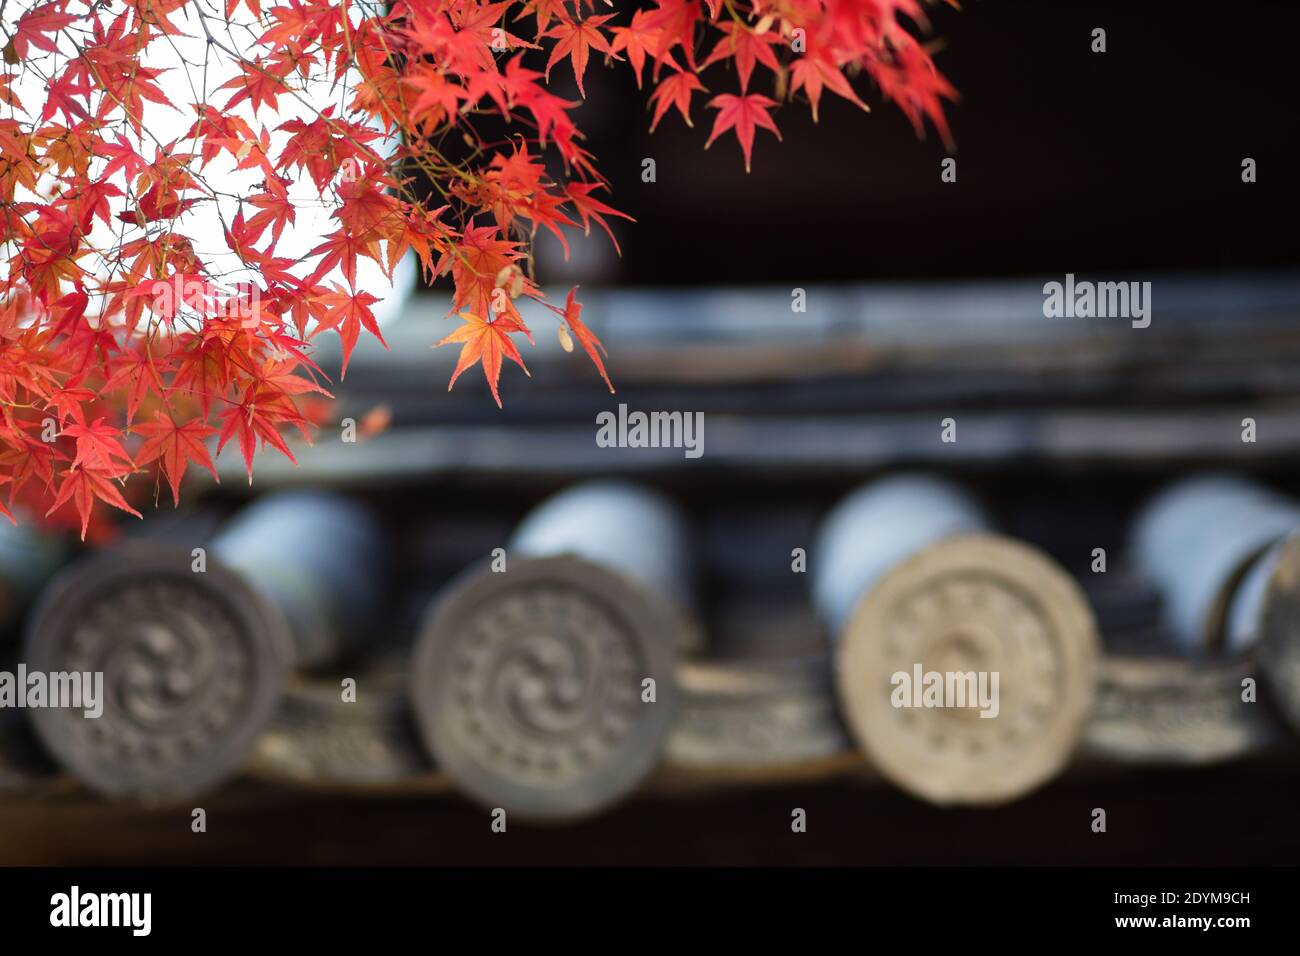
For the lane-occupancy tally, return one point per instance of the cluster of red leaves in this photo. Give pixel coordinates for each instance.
(104, 376)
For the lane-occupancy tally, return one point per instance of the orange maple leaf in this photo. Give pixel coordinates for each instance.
(488, 342)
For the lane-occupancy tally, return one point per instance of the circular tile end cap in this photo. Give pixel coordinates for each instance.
(527, 687)
(1279, 630)
(193, 667)
(976, 605)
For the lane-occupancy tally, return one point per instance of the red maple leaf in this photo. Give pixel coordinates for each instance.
(589, 208)
(743, 114)
(258, 85)
(577, 39)
(640, 41)
(675, 91)
(98, 447)
(175, 446)
(83, 486)
(676, 19)
(274, 209)
(811, 72)
(590, 344)
(747, 48)
(343, 248)
(347, 313)
(36, 23)
(258, 415)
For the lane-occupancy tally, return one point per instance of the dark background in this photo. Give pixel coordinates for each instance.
(1067, 160)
